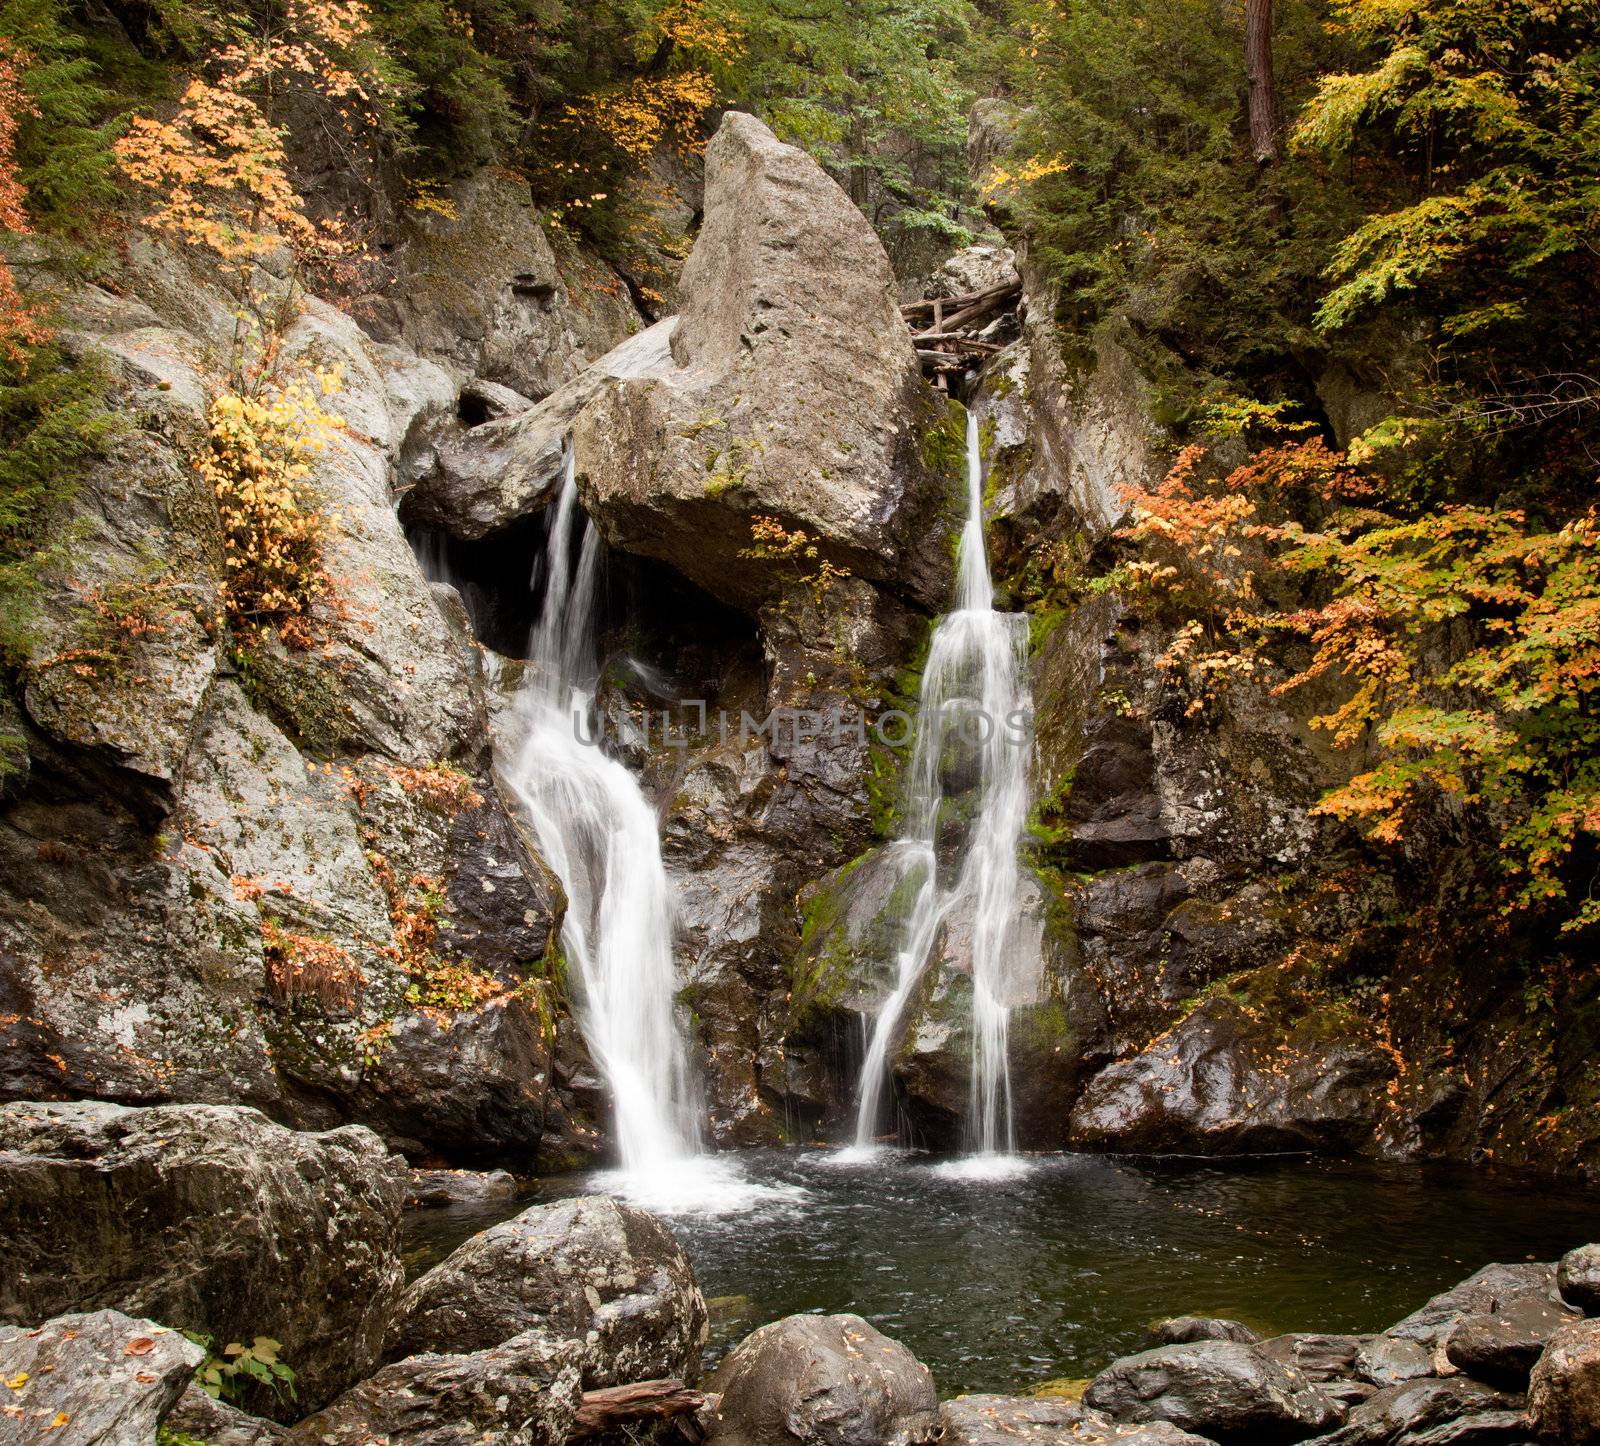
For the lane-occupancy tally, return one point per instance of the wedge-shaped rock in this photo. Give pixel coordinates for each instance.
(524, 1392)
(1227, 1390)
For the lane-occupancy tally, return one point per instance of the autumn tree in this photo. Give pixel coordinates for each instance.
(217, 171)
(20, 326)
(1462, 645)
(1488, 245)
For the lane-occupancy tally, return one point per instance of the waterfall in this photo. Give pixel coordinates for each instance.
(971, 749)
(599, 834)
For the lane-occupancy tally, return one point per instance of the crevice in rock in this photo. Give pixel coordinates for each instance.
(662, 637)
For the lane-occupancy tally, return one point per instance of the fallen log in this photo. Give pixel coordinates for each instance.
(612, 1407)
(962, 320)
(948, 306)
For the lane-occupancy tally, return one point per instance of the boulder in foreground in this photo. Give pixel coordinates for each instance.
(822, 1378)
(523, 1392)
(592, 1270)
(101, 1379)
(1564, 1395)
(1227, 1390)
(208, 1218)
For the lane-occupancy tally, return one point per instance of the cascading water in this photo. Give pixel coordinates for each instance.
(599, 833)
(971, 743)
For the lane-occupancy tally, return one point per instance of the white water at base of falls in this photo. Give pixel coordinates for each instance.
(600, 835)
(970, 713)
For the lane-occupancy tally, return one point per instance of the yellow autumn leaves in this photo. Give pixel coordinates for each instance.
(258, 464)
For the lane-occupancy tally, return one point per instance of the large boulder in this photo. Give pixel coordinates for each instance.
(815, 1379)
(592, 1270)
(471, 481)
(1564, 1393)
(797, 396)
(1220, 1083)
(1578, 1278)
(1402, 1414)
(523, 1392)
(1226, 1390)
(99, 1379)
(1493, 1289)
(1501, 1346)
(208, 1218)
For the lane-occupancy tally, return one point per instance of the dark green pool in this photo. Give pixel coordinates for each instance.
(999, 1284)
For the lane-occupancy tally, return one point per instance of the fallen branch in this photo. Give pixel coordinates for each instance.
(614, 1406)
(951, 306)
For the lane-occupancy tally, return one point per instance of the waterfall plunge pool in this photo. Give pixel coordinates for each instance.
(1002, 1284)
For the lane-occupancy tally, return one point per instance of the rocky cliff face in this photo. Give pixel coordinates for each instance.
(199, 823)
(1258, 979)
(777, 485)
(1203, 963)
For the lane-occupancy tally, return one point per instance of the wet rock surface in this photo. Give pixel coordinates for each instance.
(215, 1422)
(1578, 1278)
(1048, 1421)
(206, 1218)
(1226, 1390)
(1489, 1291)
(833, 1378)
(436, 1189)
(1219, 1083)
(1180, 1330)
(99, 1378)
(1501, 1347)
(601, 1274)
(522, 1392)
(1404, 1413)
(1564, 1394)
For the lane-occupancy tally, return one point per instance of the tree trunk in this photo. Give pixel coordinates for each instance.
(1265, 123)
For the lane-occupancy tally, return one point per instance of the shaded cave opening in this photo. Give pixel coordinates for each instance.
(661, 639)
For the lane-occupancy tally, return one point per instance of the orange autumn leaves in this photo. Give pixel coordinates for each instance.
(20, 324)
(1462, 645)
(649, 108)
(218, 168)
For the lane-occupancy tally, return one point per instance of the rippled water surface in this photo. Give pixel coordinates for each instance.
(999, 1283)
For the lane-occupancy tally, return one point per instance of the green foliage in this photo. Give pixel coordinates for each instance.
(52, 418)
(64, 147)
(875, 89)
(1484, 115)
(1464, 643)
(470, 67)
(1135, 182)
(230, 1374)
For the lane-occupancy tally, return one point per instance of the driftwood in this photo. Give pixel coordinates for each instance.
(612, 1407)
(948, 307)
(943, 329)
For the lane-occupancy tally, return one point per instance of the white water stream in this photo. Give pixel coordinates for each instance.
(971, 748)
(600, 835)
